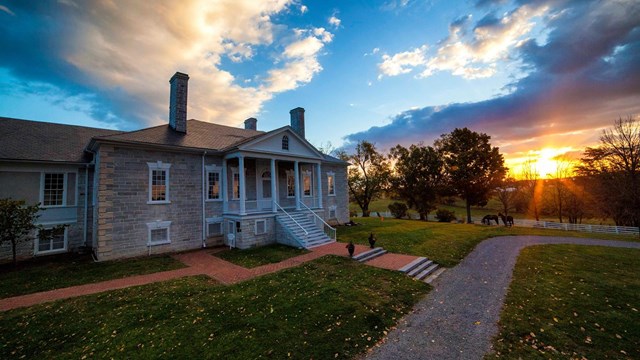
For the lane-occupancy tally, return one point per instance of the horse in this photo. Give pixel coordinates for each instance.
(487, 219)
(507, 220)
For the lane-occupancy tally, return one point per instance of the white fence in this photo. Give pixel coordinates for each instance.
(589, 228)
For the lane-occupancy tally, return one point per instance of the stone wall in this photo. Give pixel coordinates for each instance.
(341, 199)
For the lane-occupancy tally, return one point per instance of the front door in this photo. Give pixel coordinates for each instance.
(264, 190)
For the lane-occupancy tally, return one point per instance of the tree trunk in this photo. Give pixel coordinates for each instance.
(365, 211)
(468, 211)
(13, 249)
(423, 217)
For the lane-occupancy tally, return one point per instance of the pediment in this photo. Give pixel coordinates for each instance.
(272, 142)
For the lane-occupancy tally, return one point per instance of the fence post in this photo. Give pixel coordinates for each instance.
(617, 231)
(566, 228)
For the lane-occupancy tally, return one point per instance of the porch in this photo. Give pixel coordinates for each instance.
(269, 184)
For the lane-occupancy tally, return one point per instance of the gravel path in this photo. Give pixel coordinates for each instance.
(459, 317)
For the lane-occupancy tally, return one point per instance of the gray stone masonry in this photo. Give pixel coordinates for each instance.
(178, 102)
(341, 199)
(123, 211)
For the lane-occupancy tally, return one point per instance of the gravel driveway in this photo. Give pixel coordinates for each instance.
(459, 317)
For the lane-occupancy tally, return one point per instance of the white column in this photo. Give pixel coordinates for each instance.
(319, 187)
(243, 196)
(274, 176)
(296, 175)
(224, 181)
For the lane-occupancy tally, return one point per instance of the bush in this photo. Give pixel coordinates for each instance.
(398, 210)
(444, 215)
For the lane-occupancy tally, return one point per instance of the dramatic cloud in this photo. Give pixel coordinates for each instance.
(469, 54)
(121, 54)
(583, 77)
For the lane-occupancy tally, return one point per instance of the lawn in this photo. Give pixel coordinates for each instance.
(251, 258)
(444, 243)
(328, 308)
(569, 301)
(70, 270)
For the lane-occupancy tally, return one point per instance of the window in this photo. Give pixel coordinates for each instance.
(55, 240)
(213, 183)
(291, 184)
(236, 185)
(261, 227)
(306, 183)
(53, 190)
(331, 185)
(332, 212)
(159, 232)
(158, 183)
(214, 227)
(285, 142)
(266, 185)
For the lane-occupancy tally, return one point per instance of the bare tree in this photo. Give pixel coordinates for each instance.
(531, 188)
(507, 193)
(559, 191)
(614, 168)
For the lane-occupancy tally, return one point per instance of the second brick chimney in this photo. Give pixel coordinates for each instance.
(297, 121)
(251, 124)
(178, 102)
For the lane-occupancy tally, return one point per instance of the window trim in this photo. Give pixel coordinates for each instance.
(331, 175)
(65, 183)
(215, 221)
(211, 169)
(157, 225)
(285, 142)
(255, 226)
(36, 242)
(291, 174)
(159, 165)
(235, 172)
(309, 174)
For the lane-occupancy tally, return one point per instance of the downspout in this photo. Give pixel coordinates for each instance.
(86, 203)
(204, 194)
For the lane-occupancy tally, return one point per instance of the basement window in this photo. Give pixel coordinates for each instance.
(158, 233)
(261, 227)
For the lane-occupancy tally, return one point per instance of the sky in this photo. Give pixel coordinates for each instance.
(543, 77)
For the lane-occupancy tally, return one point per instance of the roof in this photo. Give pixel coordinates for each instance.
(37, 141)
(200, 135)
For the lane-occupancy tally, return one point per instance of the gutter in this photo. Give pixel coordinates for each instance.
(204, 194)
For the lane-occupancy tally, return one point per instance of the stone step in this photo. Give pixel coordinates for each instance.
(424, 273)
(311, 246)
(420, 268)
(435, 275)
(412, 265)
(371, 254)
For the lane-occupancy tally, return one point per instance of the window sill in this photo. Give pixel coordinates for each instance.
(158, 202)
(51, 252)
(331, 195)
(213, 200)
(159, 243)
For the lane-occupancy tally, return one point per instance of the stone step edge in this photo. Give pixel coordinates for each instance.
(420, 268)
(366, 253)
(426, 272)
(372, 256)
(412, 264)
(435, 275)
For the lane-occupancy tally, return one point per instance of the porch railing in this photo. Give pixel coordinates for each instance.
(328, 229)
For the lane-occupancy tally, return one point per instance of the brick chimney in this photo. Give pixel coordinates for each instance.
(297, 120)
(178, 102)
(251, 124)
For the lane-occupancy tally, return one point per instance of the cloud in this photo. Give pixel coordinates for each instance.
(471, 54)
(334, 21)
(301, 61)
(7, 10)
(579, 82)
(121, 54)
(303, 9)
(401, 63)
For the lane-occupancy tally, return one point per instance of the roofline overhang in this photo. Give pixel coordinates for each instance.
(138, 144)
(53, 162)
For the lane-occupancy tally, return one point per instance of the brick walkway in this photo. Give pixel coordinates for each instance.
(201, 262)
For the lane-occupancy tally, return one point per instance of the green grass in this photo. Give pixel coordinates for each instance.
(328, 308)
(254, 257)
(444, 243)
(568, 301)
(64, 271)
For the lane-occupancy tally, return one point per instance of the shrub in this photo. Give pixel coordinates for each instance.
(398, 210)
(444, 215)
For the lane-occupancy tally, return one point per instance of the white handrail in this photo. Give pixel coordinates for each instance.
(291, 217)
(321, 219)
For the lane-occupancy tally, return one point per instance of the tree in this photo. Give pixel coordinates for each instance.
(368, 174)
(418, 177)
(473, 168)
(507, 193)
(614, 171)
(531, 187)
(559, 187)
(17, 222)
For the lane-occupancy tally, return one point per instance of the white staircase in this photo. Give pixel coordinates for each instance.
(301, 225)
